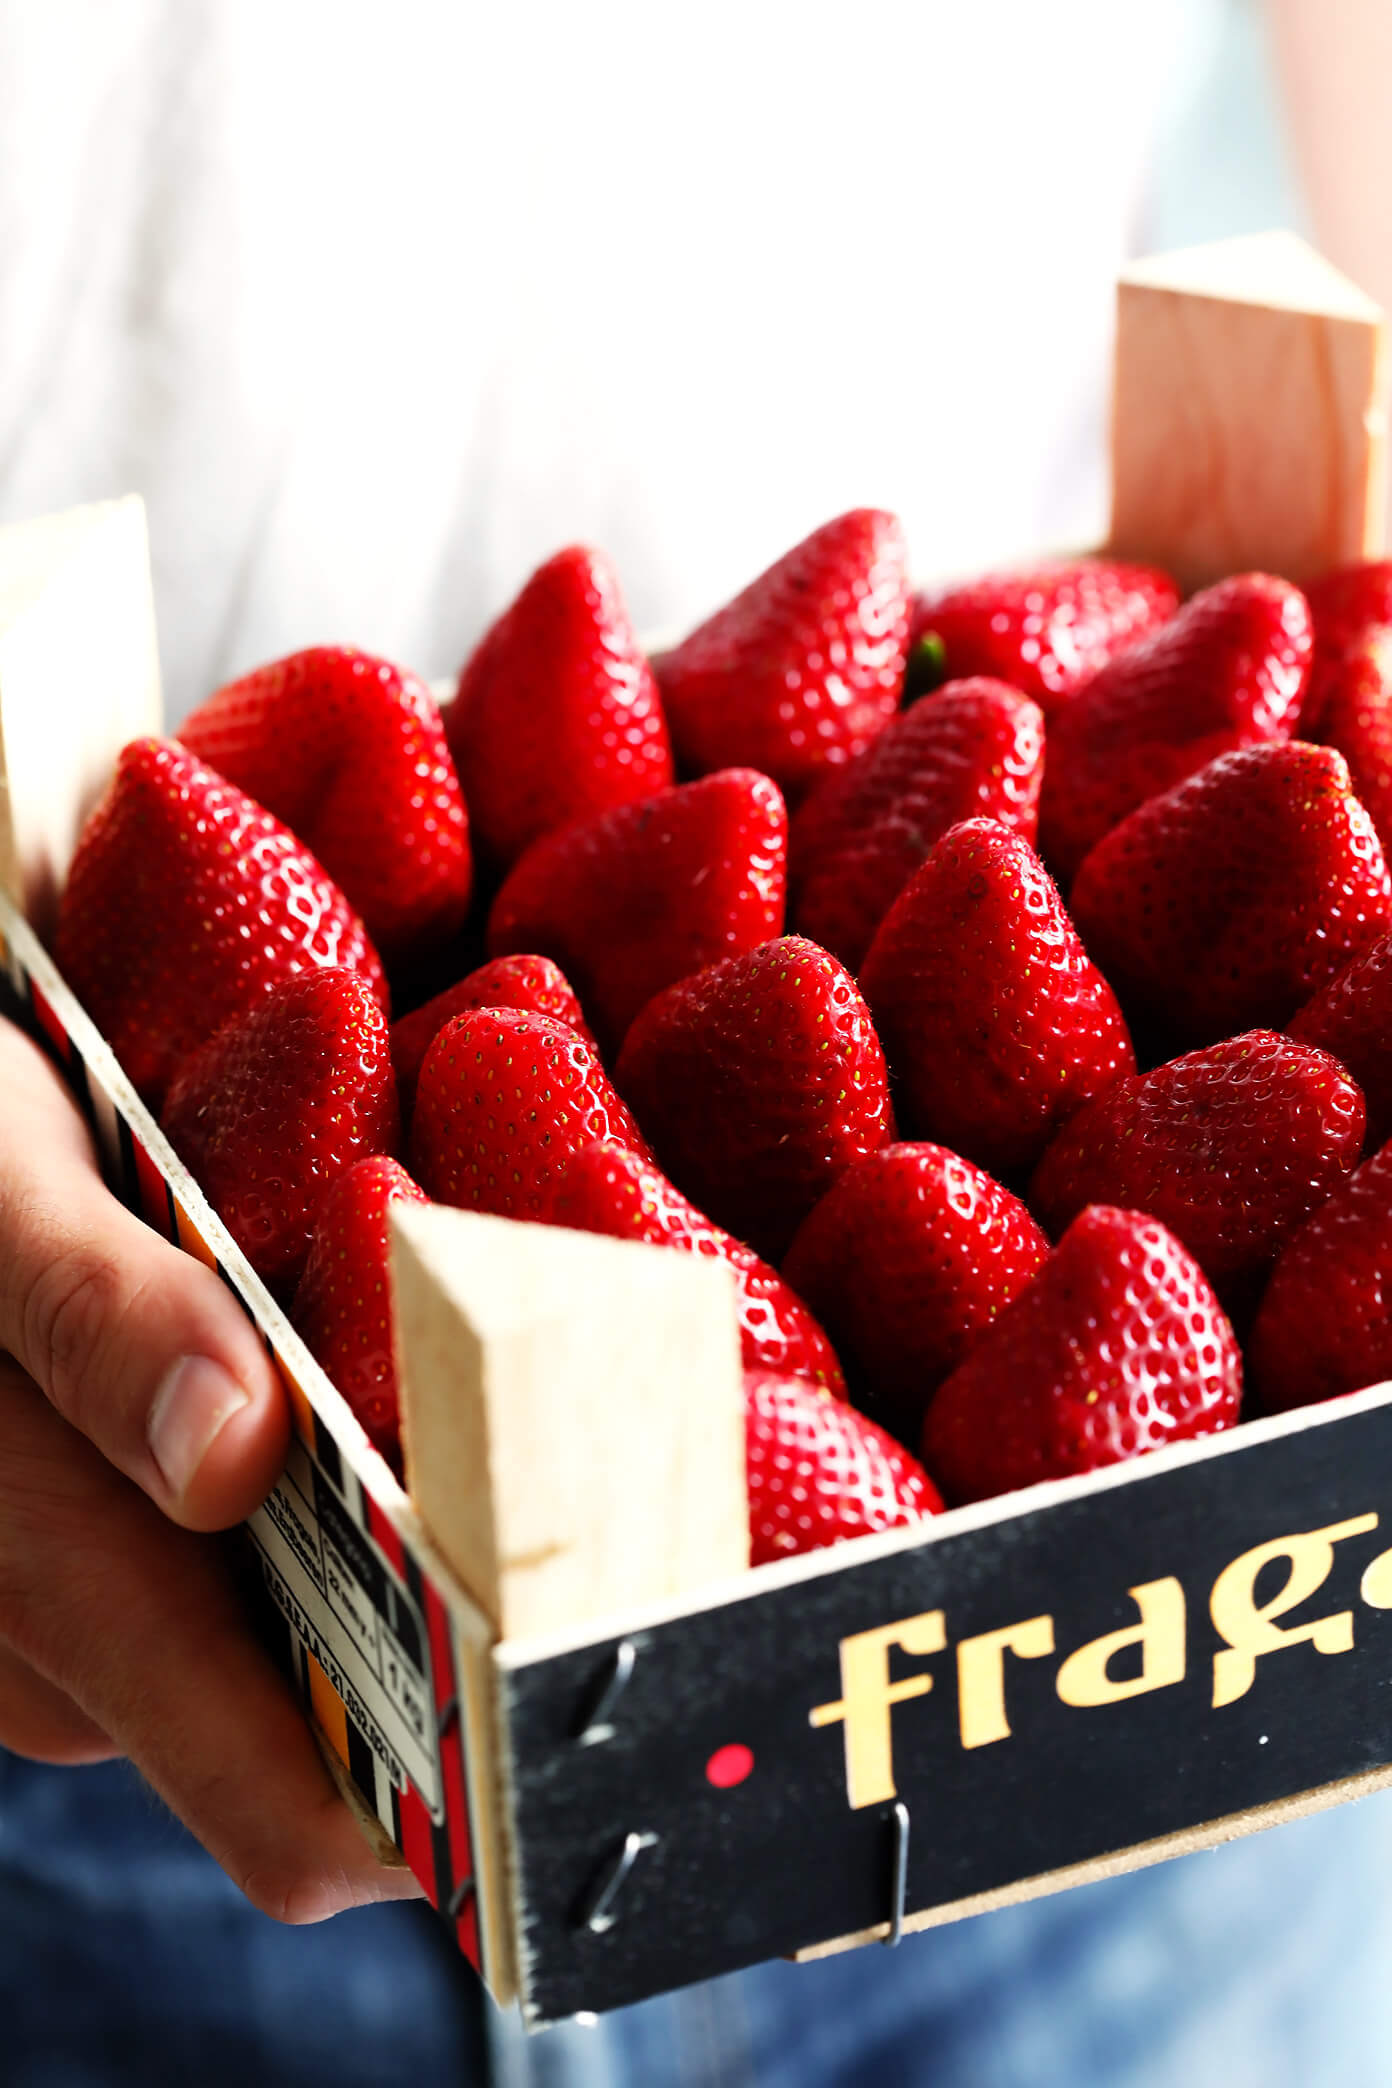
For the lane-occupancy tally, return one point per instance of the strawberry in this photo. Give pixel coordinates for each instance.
(1227, 671)
(273, 1108)
(996, 1024)
(759, 1081)
(1352, 1018)
(349, 751)
(1325, 1323)
(647, 893)
(608, 1189)
(1046, 629)
(976, 748)
(1231, 1148)
(1222, 905)
(801, 671)
(185, 903)
(1356, 717)
(505, 1099)
(1116, 1348)
(506, 982)
(557, 715)
(343, 1306)
(909, 1257)
(1349, 606)
(818, 1471)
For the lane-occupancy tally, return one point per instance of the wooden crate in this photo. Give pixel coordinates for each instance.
(617, 1759)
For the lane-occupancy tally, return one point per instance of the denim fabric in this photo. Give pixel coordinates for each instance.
(128, 1961)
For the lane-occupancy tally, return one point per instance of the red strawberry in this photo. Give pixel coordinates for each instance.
(647, 893)
(974, 749)
(343, 1306)
(1352, 1018)
(1046, 629)
(271, 1110)
(557, 716)
(505, 1100)
(909, 1257)
(818, 1471)
(187, 902)
(995, 1022)
(349, 751)
(1227, 671)
(759, 1081)
(1231, 1148)
(1349, 606)
(800, 672)
(608, 1189)
(1357, 719)
(1325, 1323)
(1116, 1348)
(506, 982)
(1223, 905)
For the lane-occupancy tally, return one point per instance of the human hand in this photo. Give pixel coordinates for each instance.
(137, 1408)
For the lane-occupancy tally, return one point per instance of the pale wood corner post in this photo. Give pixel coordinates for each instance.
(573, 1418)
(79, 677)
(1249, 413)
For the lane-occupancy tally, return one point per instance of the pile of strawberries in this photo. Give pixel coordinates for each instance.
(1007, 1185)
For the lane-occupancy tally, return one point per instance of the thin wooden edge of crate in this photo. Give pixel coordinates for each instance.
(472, 1633)
(510, 1655)
(1186, 1841)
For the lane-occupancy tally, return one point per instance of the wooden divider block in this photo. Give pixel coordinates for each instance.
(574, 1415)
(1249, 413)
(79, 676)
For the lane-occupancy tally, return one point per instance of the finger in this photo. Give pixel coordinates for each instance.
(134, 1342)
(44, 1723)
(138, 1623)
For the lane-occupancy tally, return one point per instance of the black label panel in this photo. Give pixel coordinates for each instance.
(1040, 1692)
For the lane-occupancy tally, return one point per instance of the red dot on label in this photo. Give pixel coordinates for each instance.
(729, 1765)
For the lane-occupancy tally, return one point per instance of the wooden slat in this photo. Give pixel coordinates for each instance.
(79, 676)
(1249, 413)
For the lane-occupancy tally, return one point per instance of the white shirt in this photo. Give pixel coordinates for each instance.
(379, 305)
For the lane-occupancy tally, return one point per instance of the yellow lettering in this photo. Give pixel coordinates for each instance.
(867, 1695)
(1251, 1630)
(981, 1676)
(1083, 1678)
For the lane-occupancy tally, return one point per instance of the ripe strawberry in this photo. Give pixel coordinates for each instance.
(1325, 1323)
(185, 903)
(557, 716)
(274, 1107)
(804, 668)
(1227, 671)
(349, 751)
(1357, 719)
(647, 893)
(1046, 629)
(995, 1022)
(1352, 1018)
(1222, 905)
(759, 1081)
(818, 1471)
(976, 749)
(1349, 606)
(1231, 1148)
(343, 1306)
(505, 1100)
(909, 1257)
(505, 982)
(1116, 1348)
(609, 1189)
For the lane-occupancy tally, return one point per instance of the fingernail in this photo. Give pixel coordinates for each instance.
(196, 1399)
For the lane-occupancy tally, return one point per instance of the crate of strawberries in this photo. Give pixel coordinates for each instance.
(820, 1197)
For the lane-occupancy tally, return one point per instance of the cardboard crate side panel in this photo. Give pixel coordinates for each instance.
(1042, 1693)
(354, 1608)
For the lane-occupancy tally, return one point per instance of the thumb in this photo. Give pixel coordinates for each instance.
(135, 1343)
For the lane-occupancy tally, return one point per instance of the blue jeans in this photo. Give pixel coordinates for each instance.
(127, 1958)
